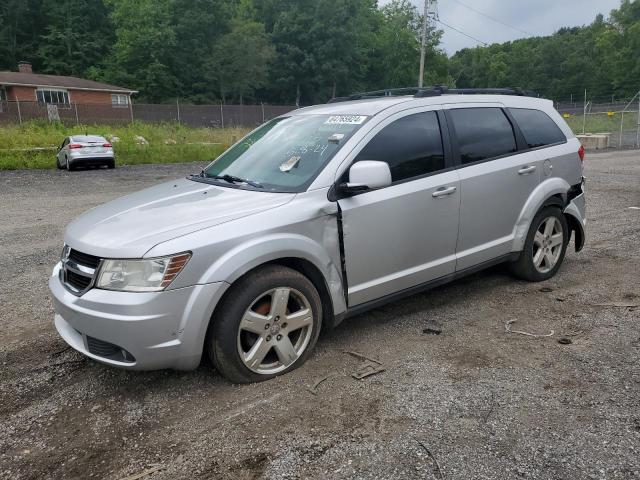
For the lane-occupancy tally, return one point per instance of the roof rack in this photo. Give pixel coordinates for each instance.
(434, 91)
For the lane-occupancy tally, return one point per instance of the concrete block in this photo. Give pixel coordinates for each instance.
(594, 142)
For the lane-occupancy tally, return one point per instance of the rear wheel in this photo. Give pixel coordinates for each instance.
(267, 325)
(68, 164)
(58, 166)
(545, 246)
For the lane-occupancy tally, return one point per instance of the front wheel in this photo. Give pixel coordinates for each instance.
(266, 325)
(545, 246)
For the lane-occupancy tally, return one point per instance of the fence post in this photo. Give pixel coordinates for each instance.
(621, 130)
(262, 105)
(584, 117)
(19, 114)
(221, 115)
(638, 124)
(75, 106)
(178, 109)
(131, 108)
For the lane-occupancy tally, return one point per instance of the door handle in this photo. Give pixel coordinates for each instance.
(443, 192)
(526, 170)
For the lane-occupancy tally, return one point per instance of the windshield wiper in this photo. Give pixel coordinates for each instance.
(234, 179)
(230, 179)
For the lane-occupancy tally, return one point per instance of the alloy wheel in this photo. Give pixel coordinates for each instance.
(547, 244)
(275, 330)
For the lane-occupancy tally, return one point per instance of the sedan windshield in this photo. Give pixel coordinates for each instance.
(284, 154)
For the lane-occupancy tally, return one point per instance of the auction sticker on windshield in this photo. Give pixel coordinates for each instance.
(345, 119)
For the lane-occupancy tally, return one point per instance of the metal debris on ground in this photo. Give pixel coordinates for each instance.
(144, 473)
(546, 290)
(507, 329)
(367, 368)
(432, 328)
(433, 457)
(565, 341)
(314, 388)
(618, 305)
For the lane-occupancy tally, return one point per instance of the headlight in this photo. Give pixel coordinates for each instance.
(148, 275)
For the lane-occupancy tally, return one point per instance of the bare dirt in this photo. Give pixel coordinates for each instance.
(473, 402)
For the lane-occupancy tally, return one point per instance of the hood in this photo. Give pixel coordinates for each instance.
(129, 226)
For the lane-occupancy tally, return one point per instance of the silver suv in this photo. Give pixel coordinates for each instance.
(317, 216)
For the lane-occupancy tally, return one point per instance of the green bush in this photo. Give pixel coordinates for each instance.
(34, 144)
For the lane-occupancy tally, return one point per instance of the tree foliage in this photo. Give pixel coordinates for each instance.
(303, 51)
(601, 58)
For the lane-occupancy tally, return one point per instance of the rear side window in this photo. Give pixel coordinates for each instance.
(482, 133)
(536, 126)
(412, 146)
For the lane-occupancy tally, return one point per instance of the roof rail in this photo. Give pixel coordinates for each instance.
(434, 91)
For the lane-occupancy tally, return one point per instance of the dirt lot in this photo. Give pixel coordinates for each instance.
(472, 403)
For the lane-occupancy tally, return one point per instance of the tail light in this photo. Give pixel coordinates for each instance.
(581, 153)
(75, 145)
(108, 145)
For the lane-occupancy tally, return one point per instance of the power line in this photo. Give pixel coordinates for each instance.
(493, 18)
(461, 32)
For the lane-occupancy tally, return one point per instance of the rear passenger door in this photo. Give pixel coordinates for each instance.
(405, 234)
(497, 177)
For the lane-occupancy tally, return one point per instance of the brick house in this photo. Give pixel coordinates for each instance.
(26, 86)
(31, 94)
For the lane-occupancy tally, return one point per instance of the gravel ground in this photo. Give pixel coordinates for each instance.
(471, 403)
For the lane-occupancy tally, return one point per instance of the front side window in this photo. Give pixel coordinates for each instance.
(54, 97)
(537, 127)
(284, 154)
(482, 133)
(412, 146)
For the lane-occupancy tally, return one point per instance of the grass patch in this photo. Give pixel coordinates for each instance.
(602, 123)
(168, 143)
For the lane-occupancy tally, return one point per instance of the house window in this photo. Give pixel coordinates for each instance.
(119, 100)
(54, 97)
(3, 99)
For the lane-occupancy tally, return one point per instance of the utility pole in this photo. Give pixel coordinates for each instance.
(423, 43)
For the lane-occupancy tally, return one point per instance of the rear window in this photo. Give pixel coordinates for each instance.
(537, 127)
(482, 133)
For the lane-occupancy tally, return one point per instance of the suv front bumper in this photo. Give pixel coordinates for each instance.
(138, 331)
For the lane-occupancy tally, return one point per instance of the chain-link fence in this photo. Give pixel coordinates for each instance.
(621, 128)
(192, 115)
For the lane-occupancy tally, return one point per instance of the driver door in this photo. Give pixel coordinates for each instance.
(403, 235)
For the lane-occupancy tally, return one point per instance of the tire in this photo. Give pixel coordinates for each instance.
(69, 165)
(58, 166)
(251, 338)
(544, 249)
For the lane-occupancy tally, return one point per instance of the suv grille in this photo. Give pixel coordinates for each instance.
(78, 270)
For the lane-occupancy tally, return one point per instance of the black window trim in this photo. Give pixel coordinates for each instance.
(521, 143)
(526, 147)
(446, 149)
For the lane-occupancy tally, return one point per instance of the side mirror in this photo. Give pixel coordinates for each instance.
(367, 175)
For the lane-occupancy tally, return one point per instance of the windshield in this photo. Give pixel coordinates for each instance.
(284, 154)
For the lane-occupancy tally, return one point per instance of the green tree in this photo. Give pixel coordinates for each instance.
(78, 36)
(240, 60)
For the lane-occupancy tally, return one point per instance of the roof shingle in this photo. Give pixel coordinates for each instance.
(38, 80)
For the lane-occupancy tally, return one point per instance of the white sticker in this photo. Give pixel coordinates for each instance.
(345, 120)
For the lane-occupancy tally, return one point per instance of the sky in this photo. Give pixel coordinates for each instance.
(535, 17)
